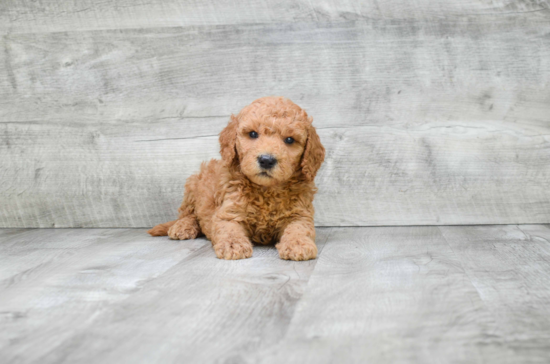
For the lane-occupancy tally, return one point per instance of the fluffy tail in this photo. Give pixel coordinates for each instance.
(161, 229)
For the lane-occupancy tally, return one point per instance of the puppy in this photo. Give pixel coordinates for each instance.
(261, 191)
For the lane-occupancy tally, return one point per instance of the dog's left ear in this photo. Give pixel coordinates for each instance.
(228, 138)
(314, 154)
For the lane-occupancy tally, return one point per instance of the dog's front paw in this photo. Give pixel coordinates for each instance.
(297, 248)
(184, 229)
(233, 248)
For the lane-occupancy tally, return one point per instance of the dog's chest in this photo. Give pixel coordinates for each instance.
(267, 215)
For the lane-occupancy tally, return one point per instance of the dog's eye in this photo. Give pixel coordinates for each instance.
(253, 134)
(289, 140)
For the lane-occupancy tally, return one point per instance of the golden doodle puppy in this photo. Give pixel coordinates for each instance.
(261, 191)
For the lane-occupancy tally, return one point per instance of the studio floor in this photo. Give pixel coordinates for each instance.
(426, 294)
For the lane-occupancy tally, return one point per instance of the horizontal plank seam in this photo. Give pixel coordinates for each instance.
(399, 127)
(182, 138)
(216, 25)
(508, 13)
(434, 19)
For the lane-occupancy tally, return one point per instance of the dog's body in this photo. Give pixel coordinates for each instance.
(261, 191)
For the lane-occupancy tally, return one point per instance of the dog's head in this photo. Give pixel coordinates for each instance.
(271, 140)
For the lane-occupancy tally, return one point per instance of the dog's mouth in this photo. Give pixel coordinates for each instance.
(264, 174)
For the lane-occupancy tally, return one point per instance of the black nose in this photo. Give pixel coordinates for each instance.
(267, 161)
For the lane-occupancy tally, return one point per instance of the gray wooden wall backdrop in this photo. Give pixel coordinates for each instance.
(432, 111)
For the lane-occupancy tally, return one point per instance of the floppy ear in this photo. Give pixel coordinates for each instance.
(314, 154)
(228, 138)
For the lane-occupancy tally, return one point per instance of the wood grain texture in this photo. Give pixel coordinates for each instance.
(54, 282)
(19, 16)
(123, 296)
(380, 294)
(510, 268)
(389, 295)
(425, 122)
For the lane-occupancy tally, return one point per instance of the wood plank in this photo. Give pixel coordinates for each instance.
(129, 297)
(425, 122)
(62, 279)
(20, 248)
(510, 268)
(414, 176)
(389, 295)
(380, 72)
(18, 16)
(399, 294)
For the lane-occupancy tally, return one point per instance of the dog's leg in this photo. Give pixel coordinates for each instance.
(230, 240)
(185, 228)
(298, 241)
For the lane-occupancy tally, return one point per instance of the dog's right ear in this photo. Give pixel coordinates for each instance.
(228, 139)
(314, 154)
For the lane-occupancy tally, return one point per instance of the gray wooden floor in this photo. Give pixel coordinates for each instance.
(471, 294)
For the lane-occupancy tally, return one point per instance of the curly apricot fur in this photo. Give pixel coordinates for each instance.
(235, 203)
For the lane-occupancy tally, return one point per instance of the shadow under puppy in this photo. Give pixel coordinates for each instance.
(261, 191)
